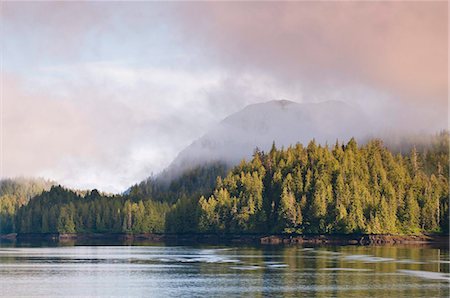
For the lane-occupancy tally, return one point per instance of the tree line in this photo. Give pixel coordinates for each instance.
(344, 188)
(63, 211)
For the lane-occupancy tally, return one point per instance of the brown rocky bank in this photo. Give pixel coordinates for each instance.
(356, 239)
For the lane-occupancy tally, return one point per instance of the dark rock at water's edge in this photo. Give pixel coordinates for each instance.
(357, 239)
(10, 236)
(344, 239)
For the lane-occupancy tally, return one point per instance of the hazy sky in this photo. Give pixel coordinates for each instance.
(102, 94)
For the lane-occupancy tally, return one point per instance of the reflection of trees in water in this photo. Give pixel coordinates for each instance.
(373, 275)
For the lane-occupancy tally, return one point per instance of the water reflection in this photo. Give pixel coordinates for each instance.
(162, 271)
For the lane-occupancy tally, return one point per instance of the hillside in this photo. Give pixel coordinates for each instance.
(15, 193)
(340, 189)
(259, 125)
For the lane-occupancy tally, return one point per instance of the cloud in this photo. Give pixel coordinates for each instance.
(397, 47)
(108, 125)
(103, 94)
(37, 128)
(102, 124)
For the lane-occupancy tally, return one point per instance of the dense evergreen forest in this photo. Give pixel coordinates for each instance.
(64, 211)
(15, 193)
(344, 188)
(193, 183)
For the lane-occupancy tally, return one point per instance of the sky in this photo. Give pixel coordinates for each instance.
(104, 94)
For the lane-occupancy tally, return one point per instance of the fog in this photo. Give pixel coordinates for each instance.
(102, 95)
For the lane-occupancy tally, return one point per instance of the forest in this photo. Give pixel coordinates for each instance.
(313, 189)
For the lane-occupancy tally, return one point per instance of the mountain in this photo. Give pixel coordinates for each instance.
(259, 125)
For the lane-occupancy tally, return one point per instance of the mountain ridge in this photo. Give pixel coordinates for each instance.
(283, 121)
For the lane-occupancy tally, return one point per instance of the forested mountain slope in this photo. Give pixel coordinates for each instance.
(15, 193)
(343, 189)
(339, 189)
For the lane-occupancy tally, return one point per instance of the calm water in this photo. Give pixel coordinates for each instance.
(218, 271)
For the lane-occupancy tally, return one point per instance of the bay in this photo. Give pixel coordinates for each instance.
(155, 270)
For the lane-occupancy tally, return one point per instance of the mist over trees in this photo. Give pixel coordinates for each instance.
(191, 183)
(342, 188)
(15, 193)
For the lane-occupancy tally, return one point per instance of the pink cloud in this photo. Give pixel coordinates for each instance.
(40, 129)
(398, 47)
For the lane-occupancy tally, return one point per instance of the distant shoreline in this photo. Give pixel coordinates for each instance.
(332, 239)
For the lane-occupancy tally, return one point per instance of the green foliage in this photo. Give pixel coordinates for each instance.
(313, 189)
(348, 189)
(15, 193)
(192, 183)
(64, 211)
(183, 216)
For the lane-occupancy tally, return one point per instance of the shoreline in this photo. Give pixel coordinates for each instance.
(264, 239)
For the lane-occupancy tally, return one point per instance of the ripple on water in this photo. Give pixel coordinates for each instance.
(442, 261)
(426, 274)
(277, 265)
(346, 269)
(246, 267)
(367, 258)
(327, 252)
(408, 261)
(204, 259)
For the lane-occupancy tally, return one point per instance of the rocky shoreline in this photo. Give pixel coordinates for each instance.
(357, 239)
(345, 239)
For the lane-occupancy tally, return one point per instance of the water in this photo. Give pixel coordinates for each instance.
(218, 271)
